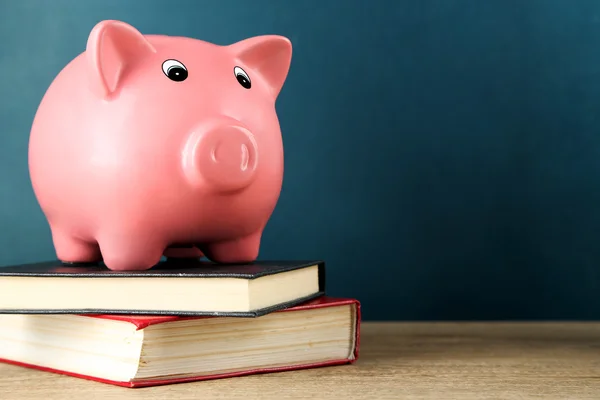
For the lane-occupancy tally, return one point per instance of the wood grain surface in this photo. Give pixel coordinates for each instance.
(398, 361)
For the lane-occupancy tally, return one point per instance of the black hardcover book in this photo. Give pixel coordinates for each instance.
(185, 288)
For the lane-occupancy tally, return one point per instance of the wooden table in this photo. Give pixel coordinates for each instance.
(398, 361)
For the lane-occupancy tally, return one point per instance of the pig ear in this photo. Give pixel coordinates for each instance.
(268, 55)
(113, 48)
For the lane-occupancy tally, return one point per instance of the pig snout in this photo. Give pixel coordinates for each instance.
(221, 155)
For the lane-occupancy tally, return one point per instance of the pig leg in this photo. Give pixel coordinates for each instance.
(130, 252)
(72, 250)
(241, 250)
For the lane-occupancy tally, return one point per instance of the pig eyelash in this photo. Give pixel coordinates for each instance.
(242, 77)
(175, 70)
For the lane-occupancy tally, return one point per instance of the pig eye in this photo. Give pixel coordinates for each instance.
(242, 77)
(175, 70)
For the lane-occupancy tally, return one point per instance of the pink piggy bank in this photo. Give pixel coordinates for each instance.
(149, 145)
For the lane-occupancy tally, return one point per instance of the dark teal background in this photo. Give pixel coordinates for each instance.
(441, 156)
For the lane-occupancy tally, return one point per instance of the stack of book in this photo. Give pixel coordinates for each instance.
(180, 321)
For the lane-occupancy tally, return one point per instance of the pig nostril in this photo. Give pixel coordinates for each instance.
(245, 157)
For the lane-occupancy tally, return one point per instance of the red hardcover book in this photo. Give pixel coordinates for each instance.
(141, 351)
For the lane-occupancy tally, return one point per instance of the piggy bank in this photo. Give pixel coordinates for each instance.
(147, 146)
